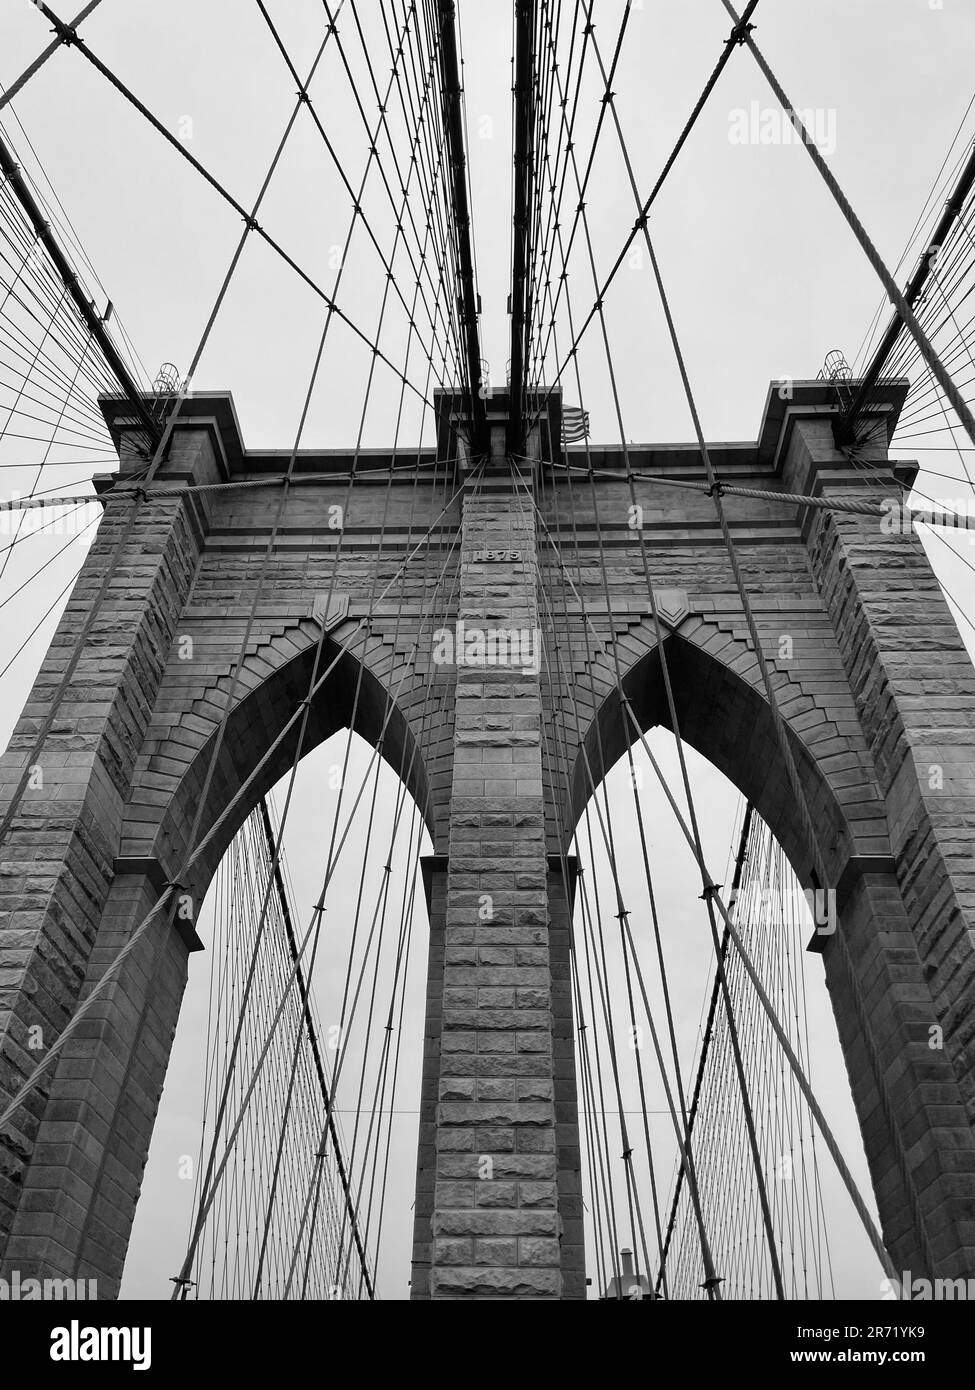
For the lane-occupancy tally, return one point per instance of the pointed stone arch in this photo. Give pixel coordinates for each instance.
(723, 713)
(94, 1123)
(901, 1089)
(271, 686)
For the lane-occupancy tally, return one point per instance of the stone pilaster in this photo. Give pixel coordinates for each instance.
(901, 968)
(60, 900)
(496, 1225)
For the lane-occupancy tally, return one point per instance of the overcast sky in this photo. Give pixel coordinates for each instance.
(764, 279)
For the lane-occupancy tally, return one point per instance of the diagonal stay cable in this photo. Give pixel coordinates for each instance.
(126, 530)
(359, 676)
(66, 34)
(249, 218)
(305, 707)
(715, 894)
(115, 965)
(712, 1283)
(206, 1203)
(634, 1207)
(706, 1043)
(835, 1152)
(357, 196)
(809, 832)
(894, 294)
(730, 43)
(747, 1107)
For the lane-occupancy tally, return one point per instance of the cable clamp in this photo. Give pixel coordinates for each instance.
(709, 891)
(714, 489)
(251, 223)
(739, 35)
(65, 32)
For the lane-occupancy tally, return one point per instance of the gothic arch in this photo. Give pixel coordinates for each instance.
(273, 683)
(723, 713)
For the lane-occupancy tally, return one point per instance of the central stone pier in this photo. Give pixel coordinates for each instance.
(498, 1211)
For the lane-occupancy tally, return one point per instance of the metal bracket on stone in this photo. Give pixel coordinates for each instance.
(328, 613)
(858, 866)
(150, 867)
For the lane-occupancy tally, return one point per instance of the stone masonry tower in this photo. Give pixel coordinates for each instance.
(877, 693)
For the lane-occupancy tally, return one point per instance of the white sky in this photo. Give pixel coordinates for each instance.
(764, 279)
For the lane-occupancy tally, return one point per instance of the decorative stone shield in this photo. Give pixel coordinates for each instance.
(672, 606)
(330, 612)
